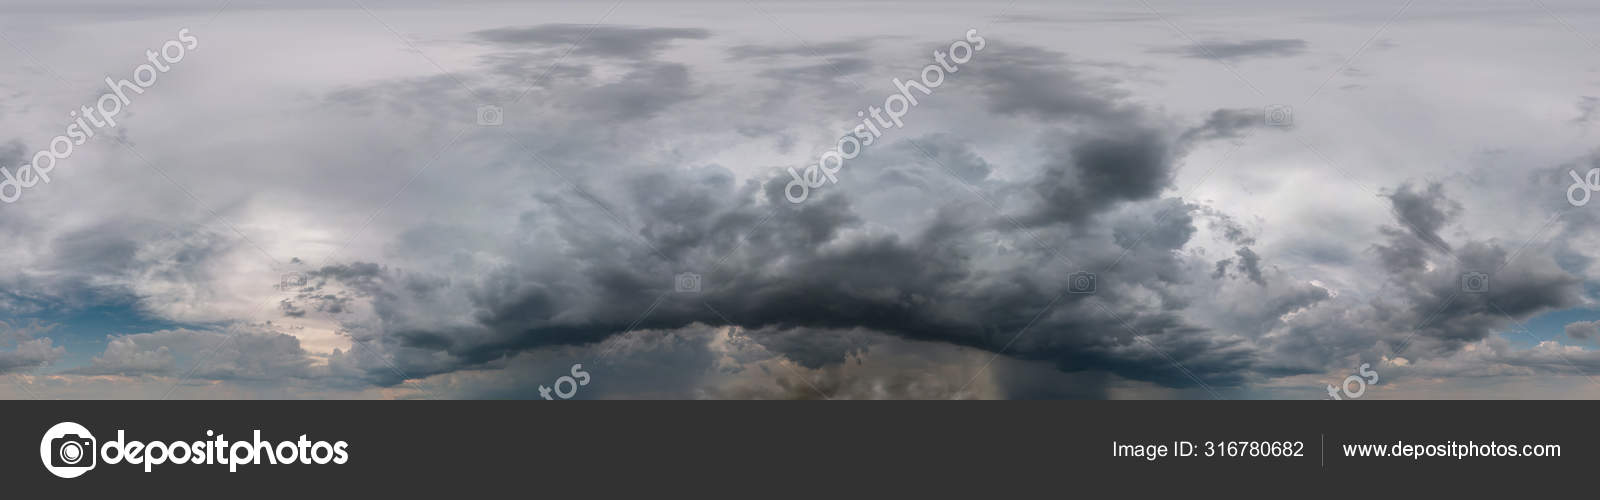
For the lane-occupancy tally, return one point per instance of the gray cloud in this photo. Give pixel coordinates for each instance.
(824, 72)
(1427, 272)
(1092, 174)
(645, 91)
(26, 352)
(242, 353)
(1231, 51)
(1588, 108)
(1583, 330)
(822, 49)
(1226, 124)
(946, 243)
(1421, 214)
(1037, 82)
(1230, 229)
(631, 42)
(1250, 265)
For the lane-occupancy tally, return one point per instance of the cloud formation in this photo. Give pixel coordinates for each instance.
(1244, 49)
(446, 259)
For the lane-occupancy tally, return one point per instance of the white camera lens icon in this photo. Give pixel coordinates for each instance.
(68, 450)
(71, 452)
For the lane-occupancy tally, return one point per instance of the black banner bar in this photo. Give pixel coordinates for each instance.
(459, 449)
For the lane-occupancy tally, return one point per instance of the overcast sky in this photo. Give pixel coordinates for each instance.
(315, 201)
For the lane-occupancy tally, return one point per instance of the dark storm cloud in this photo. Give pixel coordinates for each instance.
(1426, 273)
(1090, 175)
(812, 348)
(631, 42)
(98, 265)
(1403, 252)
(811, 270)
(809, 283)
(1422, 311)
(1230, 51)
(1116, 153)
(1439, 310)
(1040, 380)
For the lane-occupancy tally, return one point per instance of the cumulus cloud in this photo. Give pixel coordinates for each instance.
(243, 353)
(26, 353)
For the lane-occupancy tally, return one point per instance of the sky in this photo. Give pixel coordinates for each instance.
(622, 200)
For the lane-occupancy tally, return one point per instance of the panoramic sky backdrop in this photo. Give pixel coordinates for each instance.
(1163, 199)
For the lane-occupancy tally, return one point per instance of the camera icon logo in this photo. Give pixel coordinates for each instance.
(1474, 282)
(1081, 282)
(687, 283)
(68, 450)
(1280, 115)
(491, 115)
